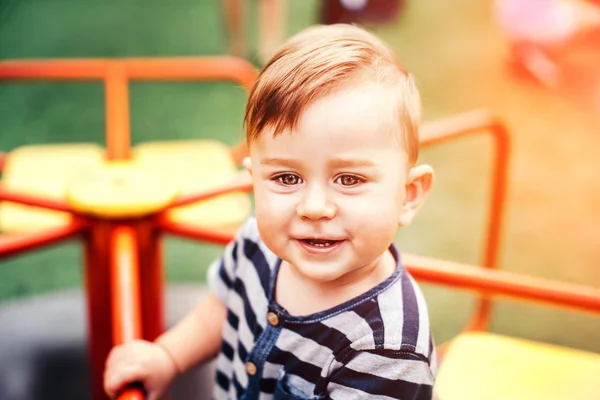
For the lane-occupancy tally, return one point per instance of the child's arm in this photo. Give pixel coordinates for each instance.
(195, 339)
(392, 374)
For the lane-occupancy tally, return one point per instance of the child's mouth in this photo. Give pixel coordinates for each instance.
(322, 243)
(321, 246)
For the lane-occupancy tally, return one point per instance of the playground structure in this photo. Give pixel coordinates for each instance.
(118, 208)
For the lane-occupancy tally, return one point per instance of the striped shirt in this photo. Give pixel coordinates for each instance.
(375, 346)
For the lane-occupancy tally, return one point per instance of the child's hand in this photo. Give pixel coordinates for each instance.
(139, 361)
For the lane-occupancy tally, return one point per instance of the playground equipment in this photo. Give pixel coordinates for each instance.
(363, 12)
(554, 44)
(111, 200)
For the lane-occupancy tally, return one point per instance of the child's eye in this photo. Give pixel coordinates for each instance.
(349, 180)
(288, 179)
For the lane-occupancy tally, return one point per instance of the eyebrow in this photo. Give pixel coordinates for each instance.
(280, 162)
(336, 162)
(352, 162)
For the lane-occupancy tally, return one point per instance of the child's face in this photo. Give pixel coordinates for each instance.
(331, 193)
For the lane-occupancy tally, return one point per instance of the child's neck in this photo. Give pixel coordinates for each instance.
(300, 296)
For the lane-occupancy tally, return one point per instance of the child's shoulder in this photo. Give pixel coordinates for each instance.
(249, 230)
(249, 252)
(394, 319)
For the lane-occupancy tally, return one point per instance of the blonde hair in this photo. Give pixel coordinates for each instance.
(320, 60)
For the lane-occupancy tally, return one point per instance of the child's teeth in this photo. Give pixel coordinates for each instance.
(320, 243)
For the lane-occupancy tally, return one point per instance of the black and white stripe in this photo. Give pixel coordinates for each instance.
(376, 346)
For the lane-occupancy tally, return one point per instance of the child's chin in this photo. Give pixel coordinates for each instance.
(320, 272)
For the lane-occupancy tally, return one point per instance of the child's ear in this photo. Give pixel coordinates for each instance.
(419, 182)
(247, 163)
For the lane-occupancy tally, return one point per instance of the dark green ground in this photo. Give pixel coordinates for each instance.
(456, 53)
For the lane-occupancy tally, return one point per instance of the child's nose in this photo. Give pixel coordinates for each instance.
(315, 205)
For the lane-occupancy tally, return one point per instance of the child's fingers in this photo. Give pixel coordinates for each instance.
(114, 357)
(123, 352)
(117, 378)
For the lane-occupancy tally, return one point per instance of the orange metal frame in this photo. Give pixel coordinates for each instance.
(115, 250)
(123, 258)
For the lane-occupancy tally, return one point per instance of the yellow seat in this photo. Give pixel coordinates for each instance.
(196, 166)
(123, 189)
(189, 166)
(486, 366)
(43, 170)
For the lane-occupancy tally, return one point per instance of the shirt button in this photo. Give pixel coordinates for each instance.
(273, 318)
(250, 368)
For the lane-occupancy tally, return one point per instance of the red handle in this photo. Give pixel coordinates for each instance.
(125, 296)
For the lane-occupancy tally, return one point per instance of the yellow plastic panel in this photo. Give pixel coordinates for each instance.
(196, 166)
(44, 170)
(485, 366)
(123, 189)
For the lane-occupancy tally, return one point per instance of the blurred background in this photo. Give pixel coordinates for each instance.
(459, 56)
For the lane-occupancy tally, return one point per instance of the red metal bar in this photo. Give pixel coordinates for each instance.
(125, 286)
(239, 152)
(216, 235)
(118, 137)
(125, 295)
(166, 69)
(17, 243)
(503, 283)
(480, 121)
(33, 200)
(97, 250)
(48, 69)
(132, 392)
(152, 278)
(2, 161)
(241, 182)
(223, 68)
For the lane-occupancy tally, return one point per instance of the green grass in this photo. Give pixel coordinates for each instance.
(456, 53)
